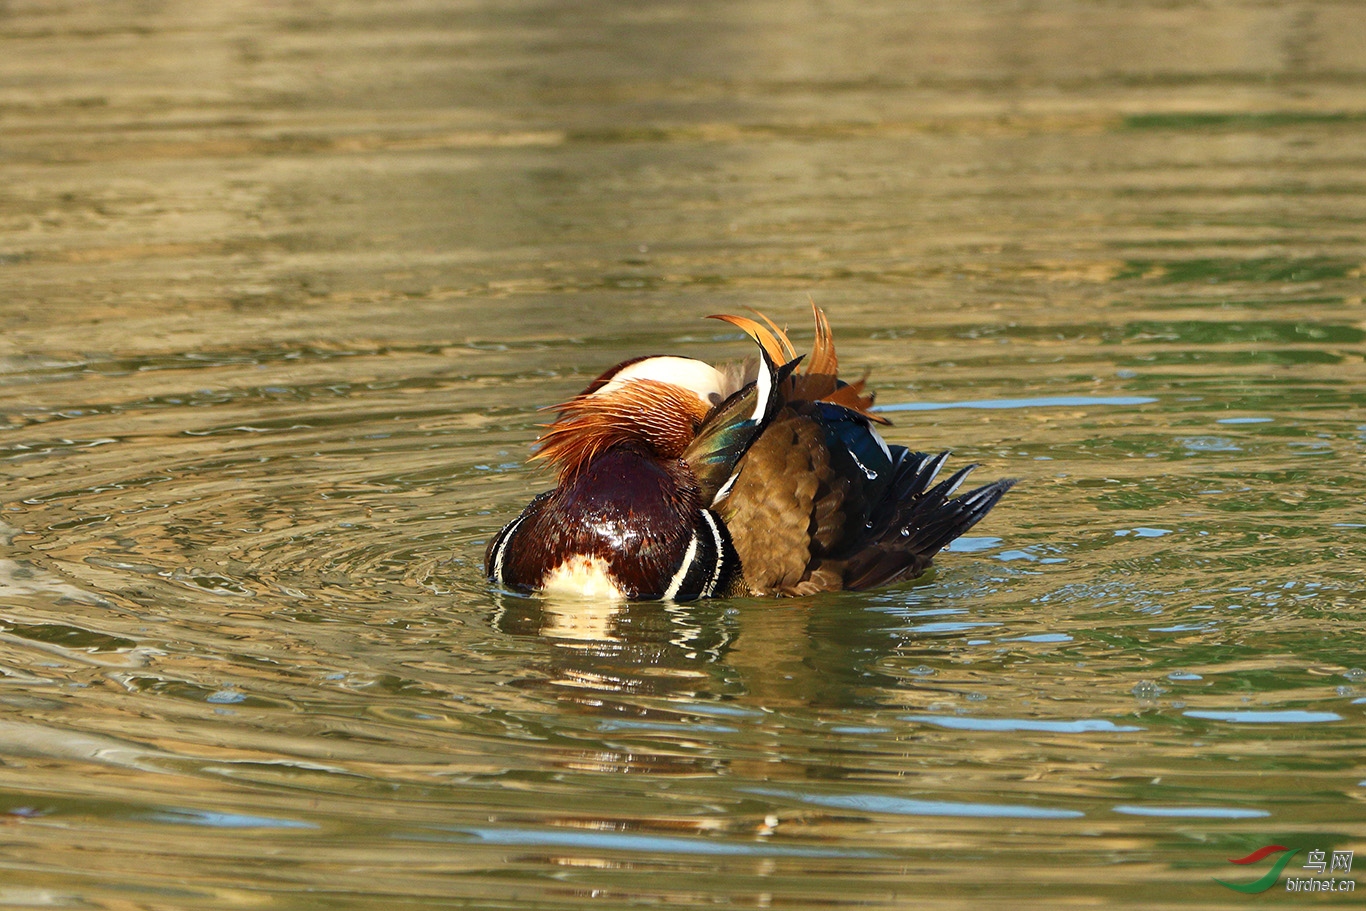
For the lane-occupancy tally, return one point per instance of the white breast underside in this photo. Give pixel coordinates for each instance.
(584, 576)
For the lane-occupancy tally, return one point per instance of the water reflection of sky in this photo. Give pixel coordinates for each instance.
(1048, 401)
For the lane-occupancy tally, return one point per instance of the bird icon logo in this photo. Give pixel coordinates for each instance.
(1271, 876)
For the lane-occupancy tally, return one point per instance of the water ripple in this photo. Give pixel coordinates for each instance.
(903, 806)
(1046, 401)
(974, 723)
(1191, 812)
(213, 820)
(656, 844)
(1287, 716)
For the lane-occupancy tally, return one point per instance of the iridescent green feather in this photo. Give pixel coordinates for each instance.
(726, 434)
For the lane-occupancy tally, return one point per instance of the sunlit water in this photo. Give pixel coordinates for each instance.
(283, 289)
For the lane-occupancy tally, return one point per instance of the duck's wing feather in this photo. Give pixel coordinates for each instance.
(732, 427)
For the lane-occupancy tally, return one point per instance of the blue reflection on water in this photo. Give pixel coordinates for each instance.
(1047, 401)
(944, 627)
(733, 711)
(973, 723)
(664, 727)
(971, 545)
(213, 820)
(1209, 444)
(905, 806)
(1041, 637)
(616, 841)
(1290, 716)
(1192, 812)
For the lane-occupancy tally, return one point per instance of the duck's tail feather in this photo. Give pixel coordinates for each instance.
(916, 520)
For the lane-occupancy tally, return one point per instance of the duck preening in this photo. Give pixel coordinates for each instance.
(680, 480)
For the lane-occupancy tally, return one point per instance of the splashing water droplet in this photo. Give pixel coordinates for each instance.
(1146, 689)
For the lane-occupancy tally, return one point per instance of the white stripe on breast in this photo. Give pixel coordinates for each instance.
(676, 582)
(720, 554)
(501, 552)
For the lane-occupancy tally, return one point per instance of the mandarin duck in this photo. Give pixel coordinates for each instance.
(680, 480)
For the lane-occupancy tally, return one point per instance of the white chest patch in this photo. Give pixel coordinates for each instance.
(586, 577)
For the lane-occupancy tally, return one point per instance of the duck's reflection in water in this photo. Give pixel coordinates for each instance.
(601, 649)
(755, 655)
(647, 671)
(713, 687)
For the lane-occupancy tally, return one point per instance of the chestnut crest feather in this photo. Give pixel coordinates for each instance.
(659, 417)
